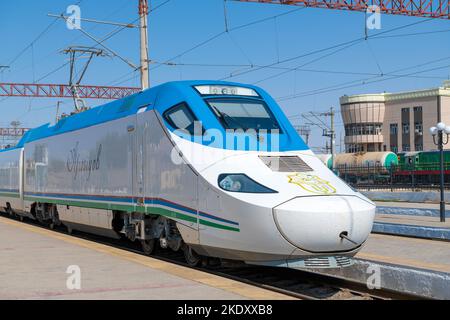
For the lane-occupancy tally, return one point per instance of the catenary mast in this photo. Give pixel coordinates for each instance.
(143, 13)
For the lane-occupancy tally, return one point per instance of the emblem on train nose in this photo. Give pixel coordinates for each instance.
(312, 183)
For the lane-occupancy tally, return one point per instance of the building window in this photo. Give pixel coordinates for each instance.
(418, 128)
(418, 147)
(393, 128)
(359, 130)
(352, 148)
(405, 128)
(363, 129)
(417, 109)
(406, 147)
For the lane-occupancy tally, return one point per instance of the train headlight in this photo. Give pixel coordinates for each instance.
(240, 182)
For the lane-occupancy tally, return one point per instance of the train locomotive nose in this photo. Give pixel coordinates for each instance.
(325, 223)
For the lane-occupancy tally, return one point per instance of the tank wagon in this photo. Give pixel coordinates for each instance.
(361, 160)
(326, 159)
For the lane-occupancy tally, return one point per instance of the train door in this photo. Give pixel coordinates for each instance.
(139, 161)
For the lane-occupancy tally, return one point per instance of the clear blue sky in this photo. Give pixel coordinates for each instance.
(179, 25)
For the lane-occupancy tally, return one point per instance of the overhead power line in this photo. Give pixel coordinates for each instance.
(307, 63)
(39, 36)
(356, 83)
(217, 35)
(316, 51)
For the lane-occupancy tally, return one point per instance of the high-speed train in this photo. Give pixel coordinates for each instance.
(211, 168)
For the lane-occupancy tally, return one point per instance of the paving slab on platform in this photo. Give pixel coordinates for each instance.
(424, 221)
(418, 253)
(406, 196)
(420, 220)
(34, 261)
(410, 208)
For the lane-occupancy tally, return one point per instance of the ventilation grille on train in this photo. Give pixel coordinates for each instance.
(286, 163)
(328, 262)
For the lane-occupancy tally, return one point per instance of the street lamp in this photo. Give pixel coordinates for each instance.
(439, 131)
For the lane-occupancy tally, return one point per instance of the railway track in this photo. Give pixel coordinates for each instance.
(299, 284)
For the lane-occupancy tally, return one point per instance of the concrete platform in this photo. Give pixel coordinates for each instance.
(411, 208)
(424, 196)
(34, 262)
(410, 252)
(411, 219)
(415, 266)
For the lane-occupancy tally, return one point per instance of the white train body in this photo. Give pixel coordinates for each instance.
(122, 169)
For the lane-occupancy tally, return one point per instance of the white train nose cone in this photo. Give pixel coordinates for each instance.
(322, 223)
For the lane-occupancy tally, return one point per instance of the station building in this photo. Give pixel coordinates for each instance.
(397, 122)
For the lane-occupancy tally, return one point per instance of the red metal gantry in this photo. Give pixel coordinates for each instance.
(64, 91)
(416, 8)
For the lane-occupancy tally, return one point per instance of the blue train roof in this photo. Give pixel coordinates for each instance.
(110, 111)
(160, 98)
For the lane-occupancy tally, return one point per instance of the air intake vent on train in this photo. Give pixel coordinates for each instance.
(328, 262)
(342, 261)
(286, 163)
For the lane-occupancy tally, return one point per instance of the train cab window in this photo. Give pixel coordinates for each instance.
(181, 117)
(243, 114)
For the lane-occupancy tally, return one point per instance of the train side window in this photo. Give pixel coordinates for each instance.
(181, 117)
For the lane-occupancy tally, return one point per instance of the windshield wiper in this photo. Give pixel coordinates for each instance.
(223, 116)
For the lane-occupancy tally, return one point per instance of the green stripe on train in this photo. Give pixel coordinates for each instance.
(132, 208)
(9, 195)
(215, 225)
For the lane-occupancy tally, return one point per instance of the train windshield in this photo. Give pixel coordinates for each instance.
(243, 114)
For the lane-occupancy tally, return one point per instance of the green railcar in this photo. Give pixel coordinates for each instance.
(423, 162)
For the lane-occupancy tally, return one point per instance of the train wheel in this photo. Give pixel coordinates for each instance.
(148, 246)
(9, 210)
(54, 222)
(193, 259)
